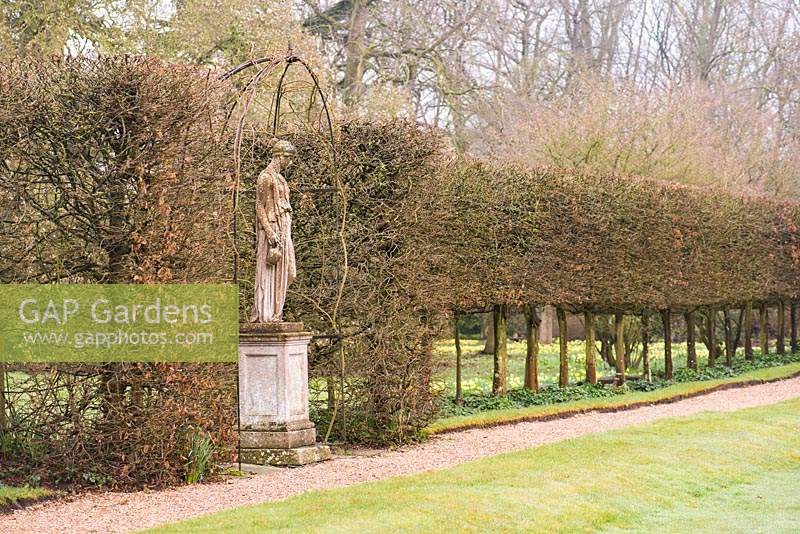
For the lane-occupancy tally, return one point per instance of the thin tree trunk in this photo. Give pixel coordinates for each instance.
(780, 348)
(488, 347)
(457, 339)
(666, 318)
(711, 330)
(500, 350)
(619, 346)
(648, 375)
(726, 314)
(546, 327)
(738, 337)
(591, 363)
(763, 326)
(605, 350)
(354, 47)
(532, 350)
(691, 350)
(117, 251)
(793, 326)
(563, 368)
(330, 382)
(748, 331)
(3, 401)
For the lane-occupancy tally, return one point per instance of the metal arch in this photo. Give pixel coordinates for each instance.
(271, 62)
(340, 199)
(288, 61)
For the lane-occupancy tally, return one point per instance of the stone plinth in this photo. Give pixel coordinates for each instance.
(273, 396)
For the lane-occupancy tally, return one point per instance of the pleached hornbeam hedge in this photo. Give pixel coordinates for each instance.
(428, 234)
(494, 234)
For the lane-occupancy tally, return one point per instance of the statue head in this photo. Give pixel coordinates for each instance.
(283, 151)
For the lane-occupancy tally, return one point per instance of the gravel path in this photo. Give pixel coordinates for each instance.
(123, 512)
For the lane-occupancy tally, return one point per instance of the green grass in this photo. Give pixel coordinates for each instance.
(733, 472)
(494, 417)
(754, 506)
(10, 496)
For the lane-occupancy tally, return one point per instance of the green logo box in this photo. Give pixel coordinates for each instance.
(85, 323)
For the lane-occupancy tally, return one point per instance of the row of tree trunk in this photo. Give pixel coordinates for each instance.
(709, 318)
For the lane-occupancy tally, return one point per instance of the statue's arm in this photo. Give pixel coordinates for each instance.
(263, 207)
(263, 220)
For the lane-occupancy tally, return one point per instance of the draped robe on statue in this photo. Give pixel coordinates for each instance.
(275, 262)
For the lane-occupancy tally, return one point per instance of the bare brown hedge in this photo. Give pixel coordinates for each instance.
(113, 170)
(501, 234)
(67, 427)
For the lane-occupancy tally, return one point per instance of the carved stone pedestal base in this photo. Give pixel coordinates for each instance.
(287, 457)
(273, 396)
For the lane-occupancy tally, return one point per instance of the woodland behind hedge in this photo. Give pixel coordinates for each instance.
(122, 170)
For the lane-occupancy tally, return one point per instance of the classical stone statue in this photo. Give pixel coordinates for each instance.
(275, 263)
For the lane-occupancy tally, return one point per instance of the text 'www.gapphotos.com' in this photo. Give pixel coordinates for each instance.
(82, 340)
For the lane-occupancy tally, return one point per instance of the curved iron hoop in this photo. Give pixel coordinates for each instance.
(340, 199)
(289, 60)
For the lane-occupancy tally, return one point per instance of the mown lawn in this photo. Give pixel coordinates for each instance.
(734, 472)
(9, 496)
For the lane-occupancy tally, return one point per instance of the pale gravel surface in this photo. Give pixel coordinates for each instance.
(122, 512)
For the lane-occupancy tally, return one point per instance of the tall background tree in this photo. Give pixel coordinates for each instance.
(494, 74)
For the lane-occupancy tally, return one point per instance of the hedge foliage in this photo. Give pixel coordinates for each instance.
(116, 170)
(500, 234)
